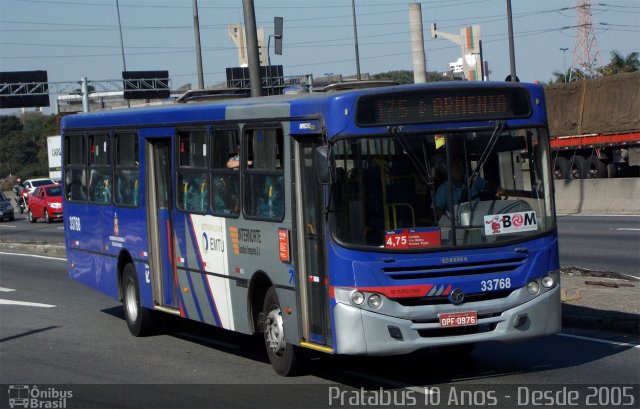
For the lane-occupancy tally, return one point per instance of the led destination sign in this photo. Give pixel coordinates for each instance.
(442, 106)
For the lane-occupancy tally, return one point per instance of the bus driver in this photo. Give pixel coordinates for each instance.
(460, 182)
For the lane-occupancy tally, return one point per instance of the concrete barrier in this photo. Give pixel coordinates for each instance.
(598, 196)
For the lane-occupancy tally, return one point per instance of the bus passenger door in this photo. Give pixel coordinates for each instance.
(159, 197)
(310, 235)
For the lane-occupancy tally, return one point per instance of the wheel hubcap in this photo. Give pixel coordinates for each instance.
(131, 303)
(275, 331)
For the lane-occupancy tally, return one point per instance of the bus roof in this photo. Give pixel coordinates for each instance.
(339, 105)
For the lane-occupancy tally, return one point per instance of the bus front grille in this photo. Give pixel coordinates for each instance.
(452, 270)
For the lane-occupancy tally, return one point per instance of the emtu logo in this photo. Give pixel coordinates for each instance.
(205, 242)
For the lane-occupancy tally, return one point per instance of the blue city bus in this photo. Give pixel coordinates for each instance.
(371, 221)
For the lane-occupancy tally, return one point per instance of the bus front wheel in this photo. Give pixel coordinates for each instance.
(139, 319)
(286, 359)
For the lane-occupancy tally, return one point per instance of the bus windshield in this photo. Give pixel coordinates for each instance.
(428, 191)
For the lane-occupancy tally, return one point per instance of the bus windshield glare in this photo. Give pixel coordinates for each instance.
(394, 192)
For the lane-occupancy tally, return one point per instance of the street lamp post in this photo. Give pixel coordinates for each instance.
(124, 62)
(564, 57)
(355, 35)
(512, 57)
(196, 30)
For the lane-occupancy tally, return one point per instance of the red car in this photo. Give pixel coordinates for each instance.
(46, 203)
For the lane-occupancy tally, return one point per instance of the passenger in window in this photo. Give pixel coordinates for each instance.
(462, 192)
(234, 160)
(102, 191)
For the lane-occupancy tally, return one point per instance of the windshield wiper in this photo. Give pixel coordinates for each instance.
(423, 173)
(497, 131)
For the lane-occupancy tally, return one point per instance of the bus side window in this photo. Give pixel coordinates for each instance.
(193, 176)
(100, 186)
(75, 174)
(225, 182)
(193, 192)
(271, 201)
(264, 180)
(126, 188)
(75, 186)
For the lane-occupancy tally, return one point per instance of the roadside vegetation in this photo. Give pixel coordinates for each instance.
(23, 146)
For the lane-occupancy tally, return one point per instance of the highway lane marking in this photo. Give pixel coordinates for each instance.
(6, 290)
(8, 225)
(627, 229)
(34, 255)
(25, 303)
(604, 341)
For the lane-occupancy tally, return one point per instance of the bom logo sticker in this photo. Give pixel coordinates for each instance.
(510, 223)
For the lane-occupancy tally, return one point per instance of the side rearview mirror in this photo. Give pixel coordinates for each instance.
(323, 164)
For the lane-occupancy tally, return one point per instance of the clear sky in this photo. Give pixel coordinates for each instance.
(79, 38)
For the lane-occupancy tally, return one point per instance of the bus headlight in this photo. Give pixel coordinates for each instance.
(375, 301)
(357, 297)
(547, 281)
(533, 287)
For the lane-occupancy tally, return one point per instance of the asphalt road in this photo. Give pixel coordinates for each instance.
(21, 230)
(610, 243)
(75, 336)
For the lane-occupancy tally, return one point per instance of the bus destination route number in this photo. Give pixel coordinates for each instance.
(449, 105)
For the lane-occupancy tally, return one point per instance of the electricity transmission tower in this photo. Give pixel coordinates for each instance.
(586, 53)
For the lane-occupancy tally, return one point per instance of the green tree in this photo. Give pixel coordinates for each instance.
(23, 144)
(619, 63)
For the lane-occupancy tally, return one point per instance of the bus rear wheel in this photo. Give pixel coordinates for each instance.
(139, 319)
(286, 359)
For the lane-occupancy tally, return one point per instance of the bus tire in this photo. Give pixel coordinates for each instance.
(286, 359)
(579, 167)
(561, 168)
(139, 319)
(612, 170)
(597, 169)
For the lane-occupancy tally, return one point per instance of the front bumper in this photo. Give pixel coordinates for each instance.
(363, 332)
